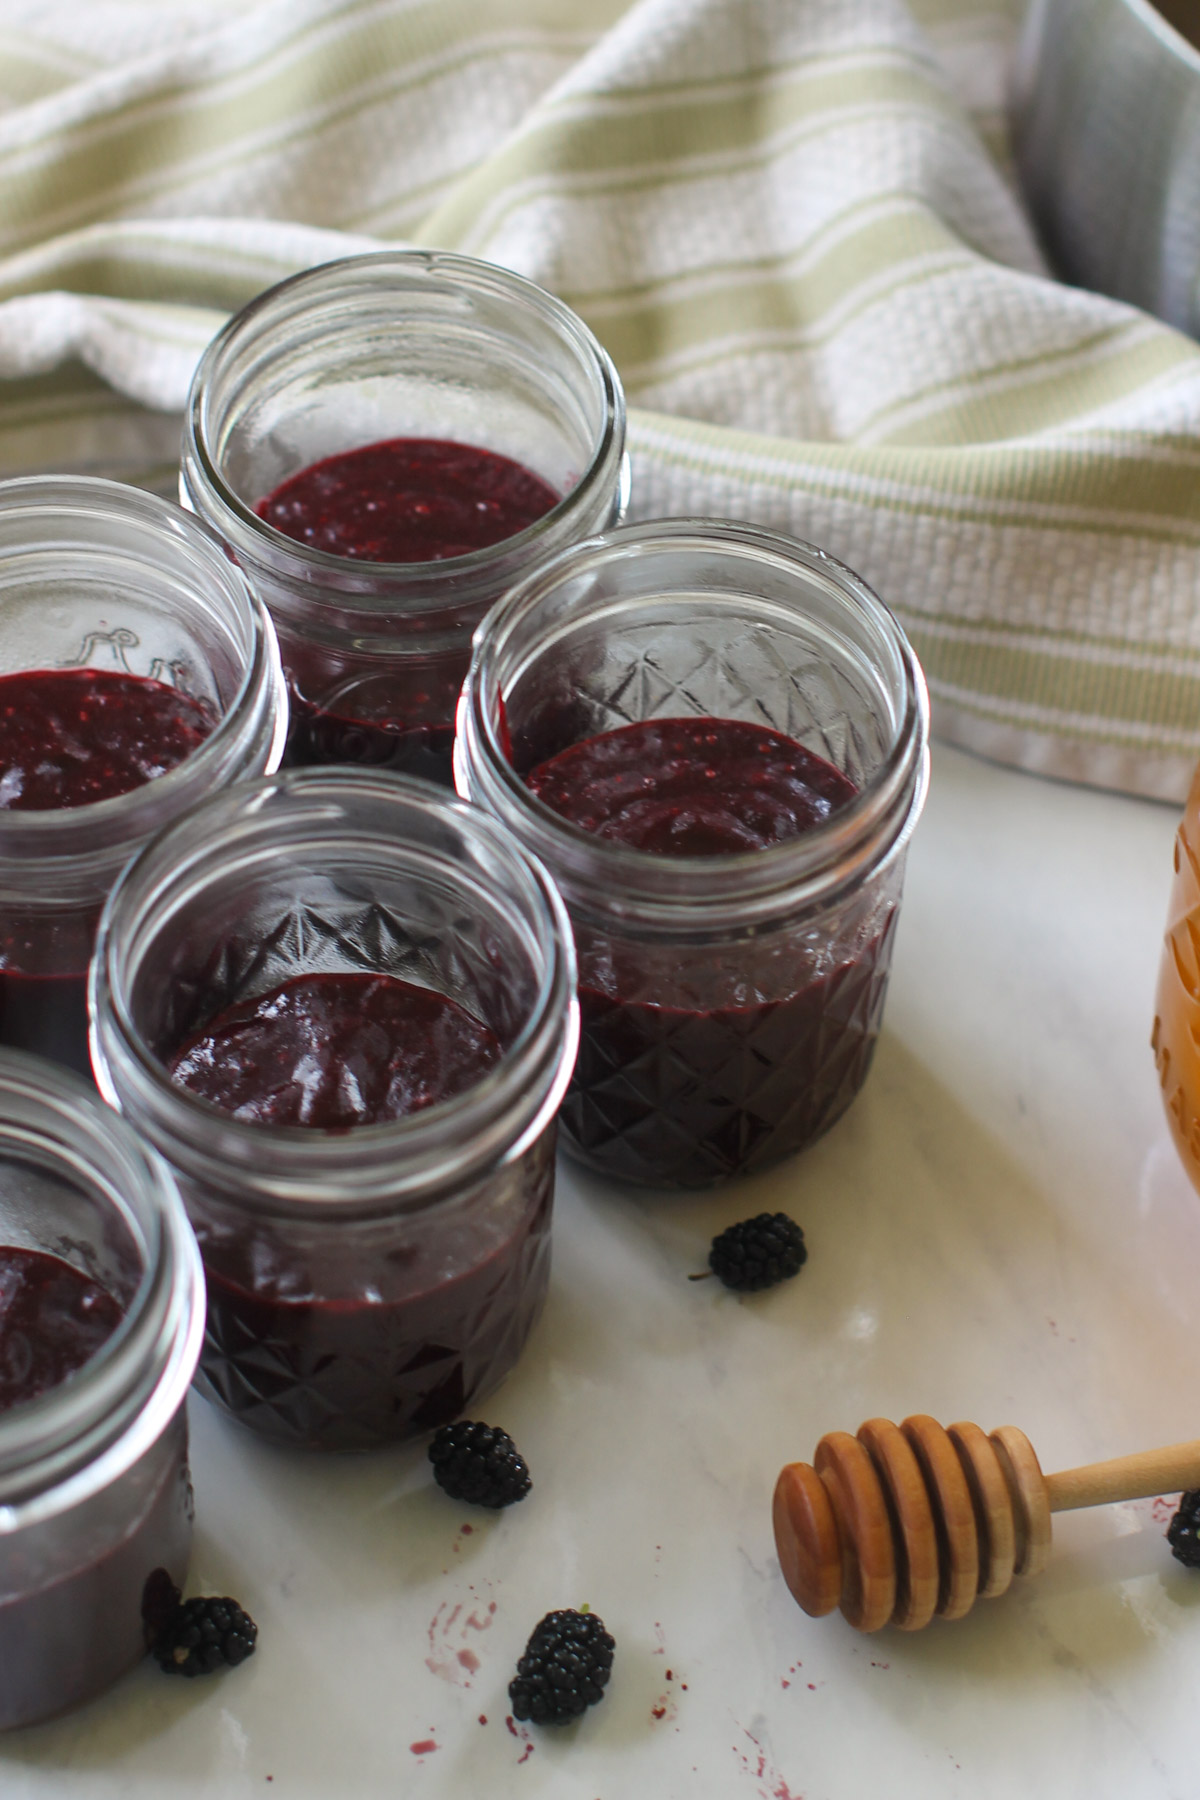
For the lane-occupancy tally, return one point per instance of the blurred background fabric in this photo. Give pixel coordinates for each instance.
(793, 223)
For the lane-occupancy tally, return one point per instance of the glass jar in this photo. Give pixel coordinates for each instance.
(1175, 1036)
(364, 1284)
(102, 577)
(396, 345)
(95, 1501)
(729, 1004)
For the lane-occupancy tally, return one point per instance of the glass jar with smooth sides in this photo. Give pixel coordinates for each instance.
(98, 583)
(423, 348)
(95, 1500)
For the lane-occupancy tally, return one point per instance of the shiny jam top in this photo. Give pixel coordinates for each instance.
(407, 500)
(70, 737)
(336, 1050)
(52, 1319)
(692, 786)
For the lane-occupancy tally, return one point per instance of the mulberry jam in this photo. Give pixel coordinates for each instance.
(674, 1092)
(147, 676)
(358, 1034)
(96, 1354)
(405, 500)
(714, 738)
(69, 738)
(385, 444)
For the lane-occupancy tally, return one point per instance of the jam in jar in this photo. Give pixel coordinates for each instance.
(341, 1004)
(715, 739)
(385, 444)
(137, 674)
(101, 1317)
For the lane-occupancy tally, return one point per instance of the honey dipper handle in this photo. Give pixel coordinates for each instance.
(1166, 1471)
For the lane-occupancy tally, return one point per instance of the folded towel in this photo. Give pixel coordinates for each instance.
(792, 222)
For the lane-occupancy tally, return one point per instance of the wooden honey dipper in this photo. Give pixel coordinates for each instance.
(902, 1522)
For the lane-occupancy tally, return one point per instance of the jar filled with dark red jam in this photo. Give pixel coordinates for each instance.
(715, 739)
(341, 1004)
(386, 443)
(101, 1318)
(138, 674)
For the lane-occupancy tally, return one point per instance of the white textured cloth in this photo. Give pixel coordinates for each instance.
(792, 222)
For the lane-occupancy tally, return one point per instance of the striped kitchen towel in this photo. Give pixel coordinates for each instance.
(793, 223)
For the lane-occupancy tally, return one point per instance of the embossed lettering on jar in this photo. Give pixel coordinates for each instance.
(715, 738)
(386, 443)
(342, 1005)
(137, 674)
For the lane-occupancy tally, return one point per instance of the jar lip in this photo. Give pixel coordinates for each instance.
(350, 574)
(526, 1082)
(77, 1434)
(28, 833)
(654, 885)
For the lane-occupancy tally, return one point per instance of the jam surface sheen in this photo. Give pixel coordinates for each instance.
(674, 1085)
(53, 1318)
(345, 1348)
(692, 786)
(71, 737)
(407, 500)
(336, 1050)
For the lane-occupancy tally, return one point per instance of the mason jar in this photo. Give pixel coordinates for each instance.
(364, 1283)
(729, 1003)
(95, 1500)
(400, 346)
(99, 581)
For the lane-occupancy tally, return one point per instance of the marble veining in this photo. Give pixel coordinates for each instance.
(998, 1230)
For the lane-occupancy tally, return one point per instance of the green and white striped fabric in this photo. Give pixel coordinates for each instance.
(792, 222)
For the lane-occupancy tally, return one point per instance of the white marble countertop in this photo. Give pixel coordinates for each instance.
(998, 1231)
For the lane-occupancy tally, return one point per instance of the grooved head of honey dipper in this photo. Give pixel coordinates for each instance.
(806, 1539)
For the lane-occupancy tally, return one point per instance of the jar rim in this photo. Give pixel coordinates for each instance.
(53, 837)
(348, 575)
(492, 1122)
(670, 893)
(75, 1438)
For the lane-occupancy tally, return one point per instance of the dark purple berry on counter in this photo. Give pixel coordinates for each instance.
(564, 1670)
(758, 1252)
(1183, 1533)
(479, 1464)
(160, 1597)
(205, 1634)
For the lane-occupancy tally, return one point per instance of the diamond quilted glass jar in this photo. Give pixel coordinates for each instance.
(341, 1004)
(715, 738)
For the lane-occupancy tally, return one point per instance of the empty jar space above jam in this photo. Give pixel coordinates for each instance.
(137, 674)
(715, 739)
(352, 1037)
(385, 443)
(100, 1320)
